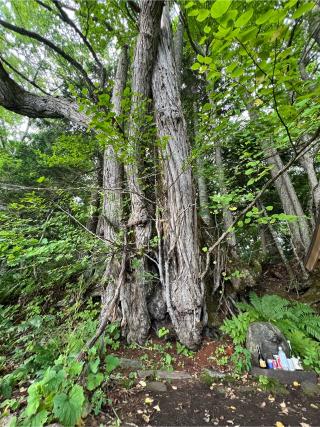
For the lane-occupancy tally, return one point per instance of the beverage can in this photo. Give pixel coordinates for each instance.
(278, 361)
(269, 363)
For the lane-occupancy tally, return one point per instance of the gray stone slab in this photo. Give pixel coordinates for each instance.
(156, 386)
(165, 375)
(286, 377)
(310, 389)
(213, 374)
(130, 363)
(173, 375)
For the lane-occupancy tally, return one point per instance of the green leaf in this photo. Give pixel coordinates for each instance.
(302, 10)
(94, 365)
(94, 380)
(68, 407)
(189, 4)
(112, 362)
(203, 15)
(195, 66)
(193, 12)
(207, 60)
(39, 419)
(207, 29)
(34, 399)
(41, 179)
(244, 18)
(269, 208)
(265, 17)
(219, 8)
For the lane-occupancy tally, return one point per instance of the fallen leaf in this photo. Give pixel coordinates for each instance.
(263, 404)
(271, 398)
(139, 411)
(148, 400)
(142, 383)
(174, 387)
(314, 406)
(283, 405)
(157, 408)
(146, 418)
(279, 424)
(304, 425)
(295, 384)
(233, 408)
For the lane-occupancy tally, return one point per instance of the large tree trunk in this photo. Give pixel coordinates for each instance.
(183, 288)
(112, 211)
(290, 202)
(136, 319)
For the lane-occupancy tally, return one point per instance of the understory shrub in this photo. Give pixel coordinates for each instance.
(297, 321)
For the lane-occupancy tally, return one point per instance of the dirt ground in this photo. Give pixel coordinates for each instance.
(192, 403)
(199, 402)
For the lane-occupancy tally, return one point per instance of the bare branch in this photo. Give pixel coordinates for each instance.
(66, 19)
(48, 43)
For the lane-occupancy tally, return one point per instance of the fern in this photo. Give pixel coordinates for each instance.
(297, 321)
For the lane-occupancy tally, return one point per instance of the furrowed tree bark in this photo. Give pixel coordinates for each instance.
(14, 98)
(136, 320)
(112, 211)
(183, 287)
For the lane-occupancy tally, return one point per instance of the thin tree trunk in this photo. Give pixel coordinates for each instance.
(112, 195)
(95, 199)
(183, 288)
(227, 215)
(201, 180)
(307, 163)
(290, 202)
(282, 255)
(133, 297)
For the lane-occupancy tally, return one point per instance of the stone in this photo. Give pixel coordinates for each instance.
(156, 386)
(165, 375)
(213, 373)
(148, 373)
(268, 337)
(173, 375)
(287, 377)
(310, 388)
(130, 363)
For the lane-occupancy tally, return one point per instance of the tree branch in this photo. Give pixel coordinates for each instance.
(65, 18)
(23, 76)
(14, 98)
(48, 43)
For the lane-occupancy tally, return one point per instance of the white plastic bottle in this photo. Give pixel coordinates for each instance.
(283, 359)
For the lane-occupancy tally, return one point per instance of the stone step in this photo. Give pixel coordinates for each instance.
(165, 375)
(286, 377)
